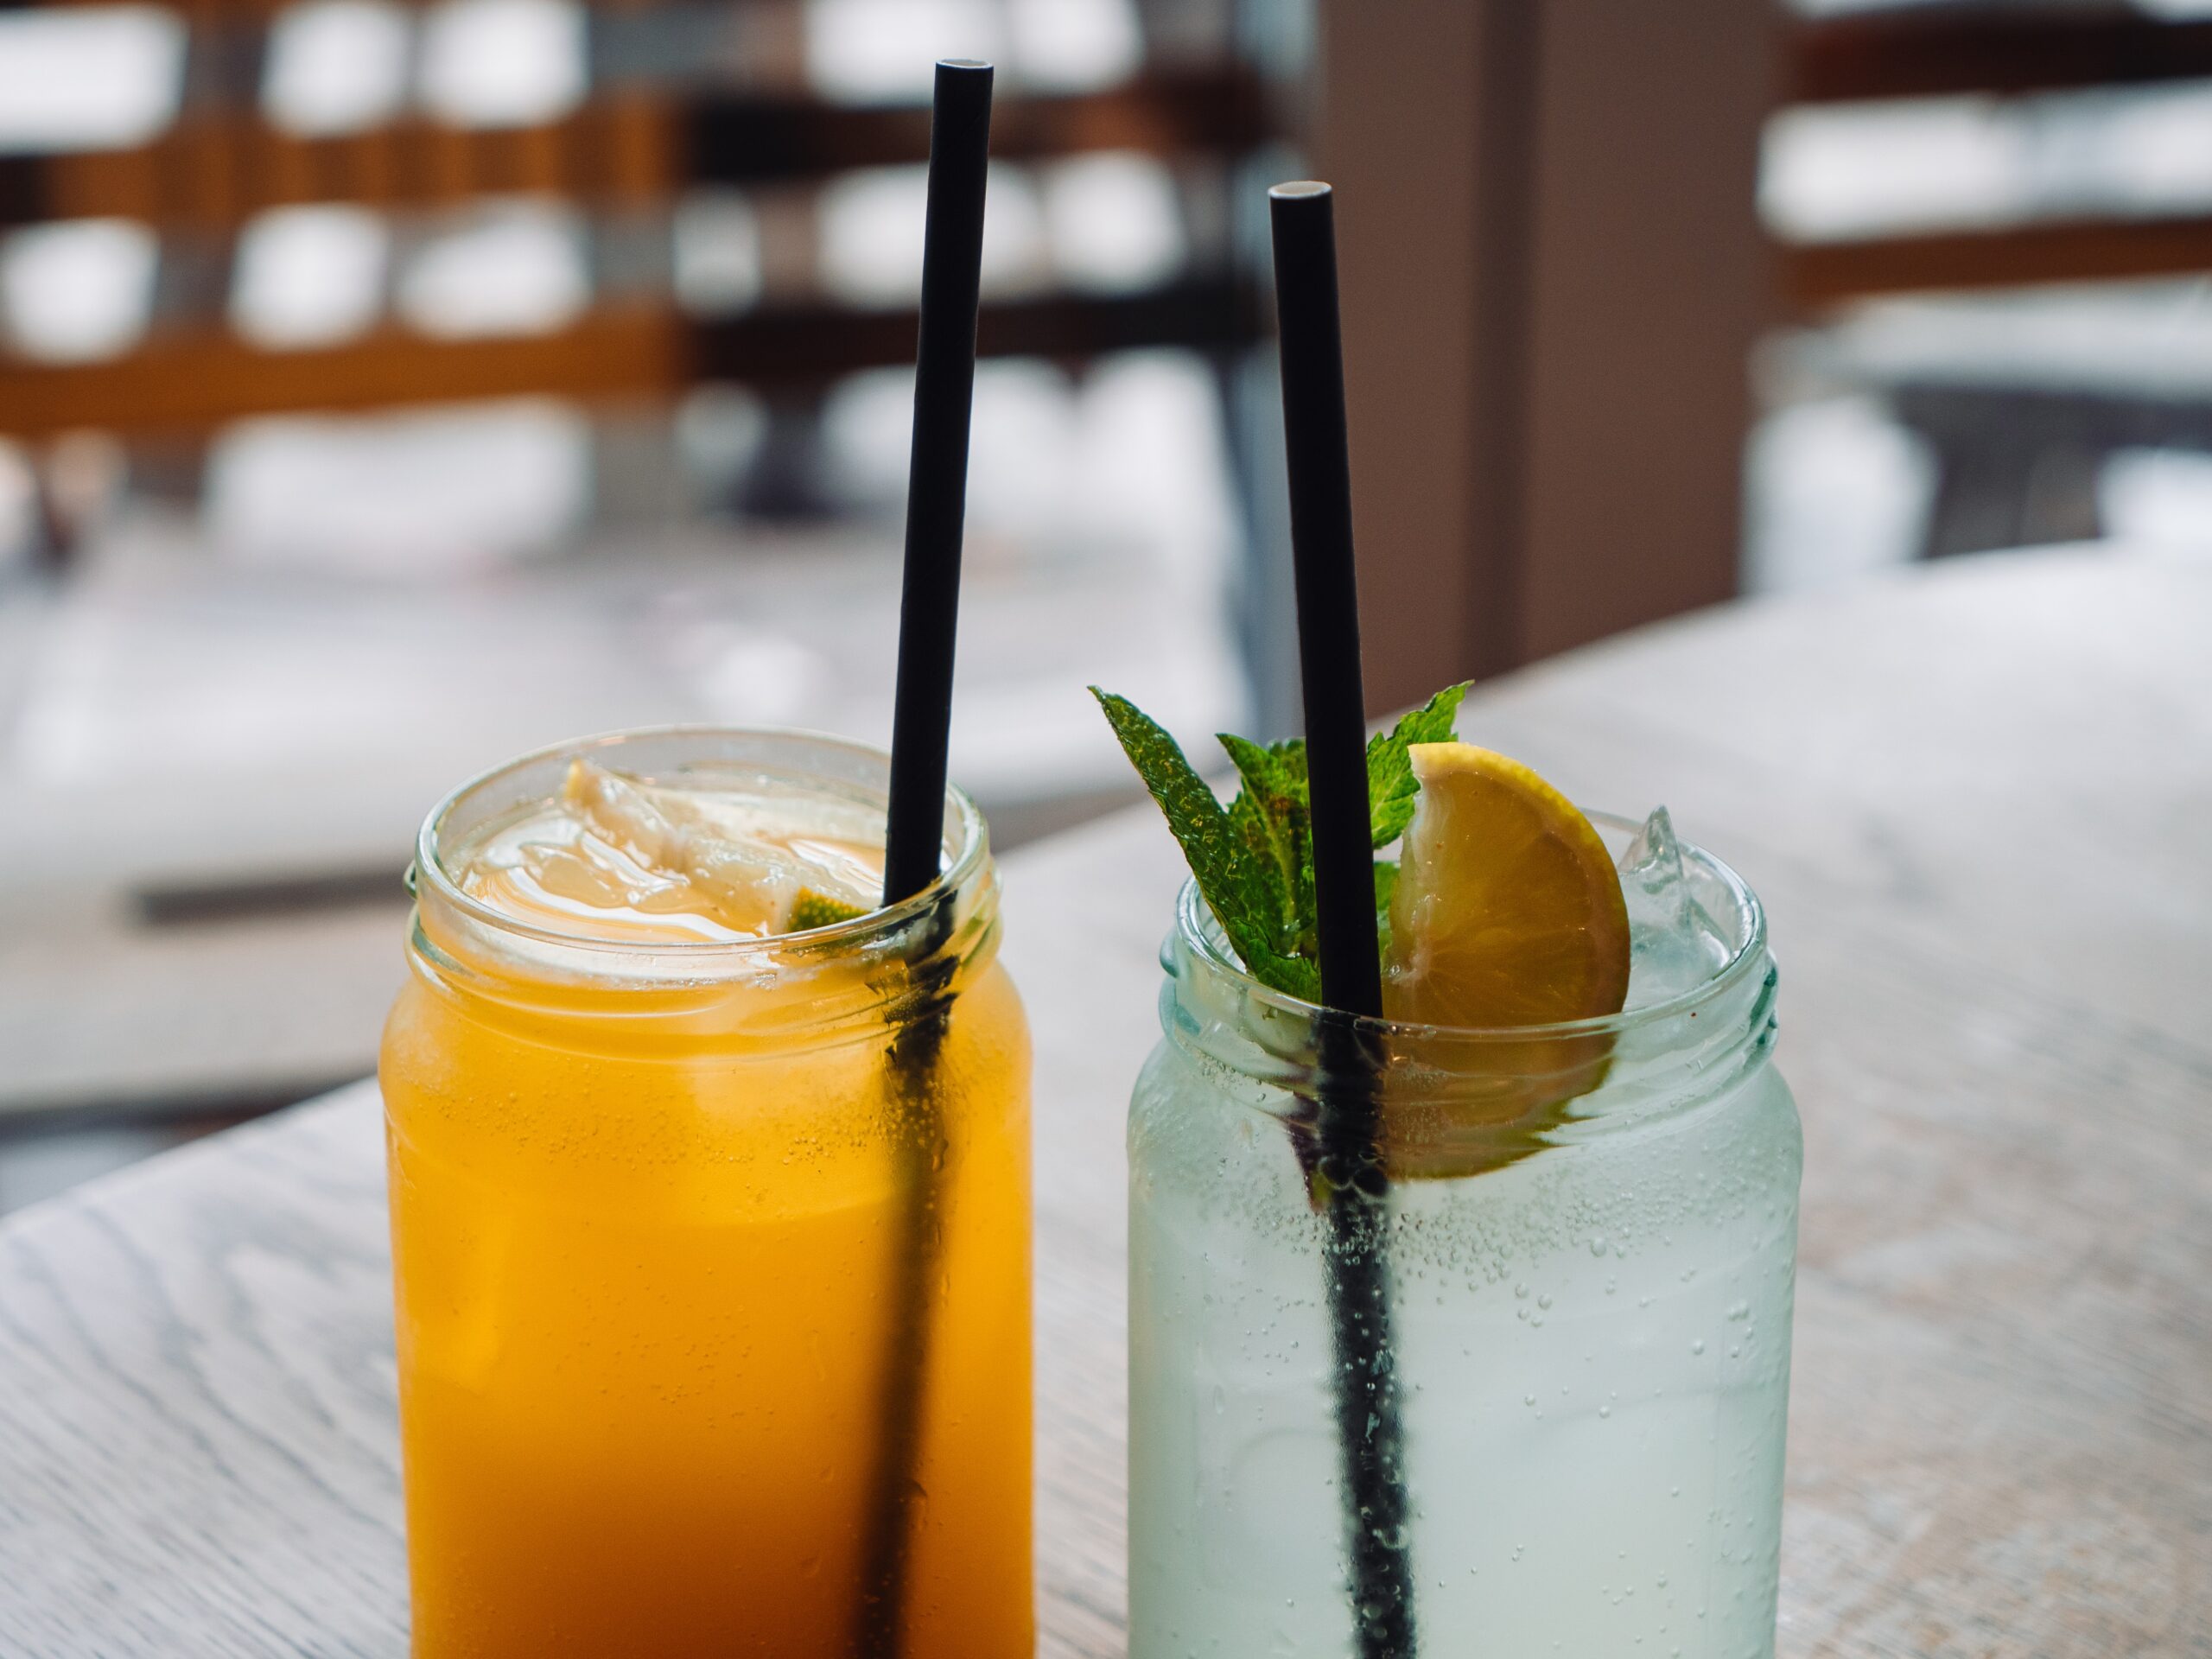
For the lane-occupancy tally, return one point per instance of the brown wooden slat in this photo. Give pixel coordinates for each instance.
(213, 172)
(196, 381)
(1928, 51)
(810, 345)
(1820, 274)
(1165, 112)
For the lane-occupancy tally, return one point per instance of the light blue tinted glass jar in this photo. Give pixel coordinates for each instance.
(1590, 1234)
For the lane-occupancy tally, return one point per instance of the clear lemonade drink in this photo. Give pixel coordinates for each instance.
(710, 1196)
(1590, 1229)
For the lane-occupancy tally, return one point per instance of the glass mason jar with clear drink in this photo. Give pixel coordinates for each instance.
(711, 1252)
(1589, 1236)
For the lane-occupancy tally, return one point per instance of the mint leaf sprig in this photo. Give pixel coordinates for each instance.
(1254, 859)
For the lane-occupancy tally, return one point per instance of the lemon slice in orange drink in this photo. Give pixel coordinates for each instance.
(1508, 909)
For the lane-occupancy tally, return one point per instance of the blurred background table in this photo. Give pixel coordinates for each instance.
(211, 801)
(388, 387)
(1975, 801)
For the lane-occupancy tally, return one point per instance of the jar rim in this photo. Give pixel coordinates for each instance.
(1201, 934)
(972, 854)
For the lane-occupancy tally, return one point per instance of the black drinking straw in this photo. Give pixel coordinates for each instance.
(1370, 1441)
(937, 494)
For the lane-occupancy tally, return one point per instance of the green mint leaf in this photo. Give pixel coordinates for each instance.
(1265, 775)
(1272, 812)
(1391, 783)
(812, 909)
(1292, 754)
(1232, 874)
(1258, 835)
(1253, 860)
(1296, 976)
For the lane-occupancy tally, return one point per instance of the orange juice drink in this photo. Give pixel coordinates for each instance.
(710, 1225)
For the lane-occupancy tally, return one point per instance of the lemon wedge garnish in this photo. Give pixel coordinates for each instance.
(1508, 909)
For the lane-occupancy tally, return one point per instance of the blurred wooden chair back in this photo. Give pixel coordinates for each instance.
(2019, 429)
(1989, 47)
(674, 100)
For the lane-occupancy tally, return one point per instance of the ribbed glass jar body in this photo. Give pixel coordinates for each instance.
(1590, 1237)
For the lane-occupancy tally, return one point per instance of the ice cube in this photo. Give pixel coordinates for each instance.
(1654, 857)
(1675, 945)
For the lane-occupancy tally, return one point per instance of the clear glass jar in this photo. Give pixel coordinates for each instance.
(1589, 1234)
(711, 1260)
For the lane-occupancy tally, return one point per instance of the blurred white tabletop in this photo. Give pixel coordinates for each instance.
(211, 773)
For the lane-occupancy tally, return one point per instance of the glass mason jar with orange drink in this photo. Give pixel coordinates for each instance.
(709, 1205)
